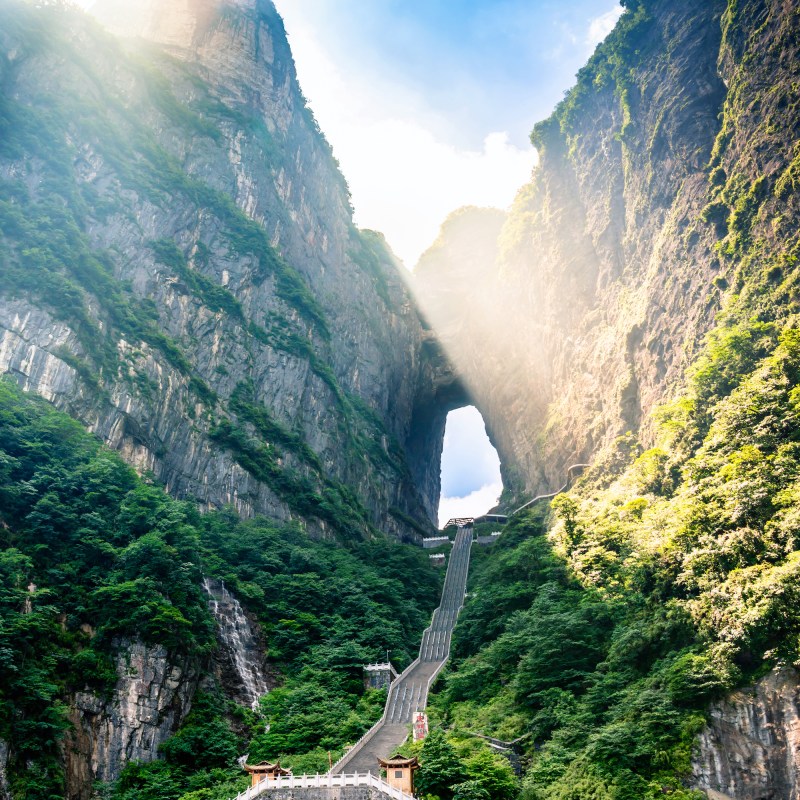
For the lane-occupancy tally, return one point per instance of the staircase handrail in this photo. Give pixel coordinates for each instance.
(552, 494)
(346, 757)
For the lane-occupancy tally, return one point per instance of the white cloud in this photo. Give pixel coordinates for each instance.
(469, 461)
(403, 178)
(473, 505)
(601, 26)
(405, 182)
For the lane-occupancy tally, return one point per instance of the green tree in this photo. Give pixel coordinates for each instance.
(470, 790)
(491, 773)
(440, 767)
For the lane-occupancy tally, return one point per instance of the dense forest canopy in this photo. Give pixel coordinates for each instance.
(94, 556)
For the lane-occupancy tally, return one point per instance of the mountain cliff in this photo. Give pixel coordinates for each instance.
(664, 196)
(638, 310)
(127, 661)
(181, 271)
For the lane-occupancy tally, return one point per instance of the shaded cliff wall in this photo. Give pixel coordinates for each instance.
(151, 698)
(181, 271)
(750, 749)
(617, 257)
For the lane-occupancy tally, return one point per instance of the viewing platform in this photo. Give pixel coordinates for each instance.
(469, 522)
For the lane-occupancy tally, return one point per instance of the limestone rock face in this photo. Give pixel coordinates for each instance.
(235, 335)
(5, 789)
(750, 749)
(151, 698)
(606, 275)
(178, 23)
(600, 279)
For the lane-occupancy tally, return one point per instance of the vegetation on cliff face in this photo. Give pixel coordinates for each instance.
(611, 66)
(597, 630)
(92, 556)
(119, 218)
(601, 628)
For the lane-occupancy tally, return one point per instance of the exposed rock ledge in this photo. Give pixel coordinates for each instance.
(750, 749)
(151, 698)
(5, 789)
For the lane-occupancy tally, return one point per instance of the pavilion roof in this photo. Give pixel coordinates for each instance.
(398, 761)
(266, 768)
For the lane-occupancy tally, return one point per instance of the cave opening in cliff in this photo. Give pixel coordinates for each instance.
(470, 467)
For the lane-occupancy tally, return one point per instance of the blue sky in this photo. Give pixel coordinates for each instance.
(473, 66)
(470, 467)
(428, 105)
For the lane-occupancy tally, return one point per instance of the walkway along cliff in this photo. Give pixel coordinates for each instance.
(358, 771)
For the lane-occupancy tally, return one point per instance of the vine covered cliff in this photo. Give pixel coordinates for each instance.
(638, 637)
(665, 194)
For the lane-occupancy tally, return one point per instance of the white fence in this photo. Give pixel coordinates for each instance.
(435, 541)
(328, 781)
(368, 735)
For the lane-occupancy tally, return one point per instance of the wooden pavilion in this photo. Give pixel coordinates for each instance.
(400, 772)
(265, 771)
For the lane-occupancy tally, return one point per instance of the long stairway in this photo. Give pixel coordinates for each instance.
(409, 693)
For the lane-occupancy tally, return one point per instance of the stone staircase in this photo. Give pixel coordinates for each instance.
(356, 775)
(409, 693)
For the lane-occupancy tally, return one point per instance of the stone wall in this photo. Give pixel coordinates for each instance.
(750, 749)
(324, 793)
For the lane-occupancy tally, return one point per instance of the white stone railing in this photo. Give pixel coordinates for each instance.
(435, 541)
(327, 781)
(346, 757)
(552, 494)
